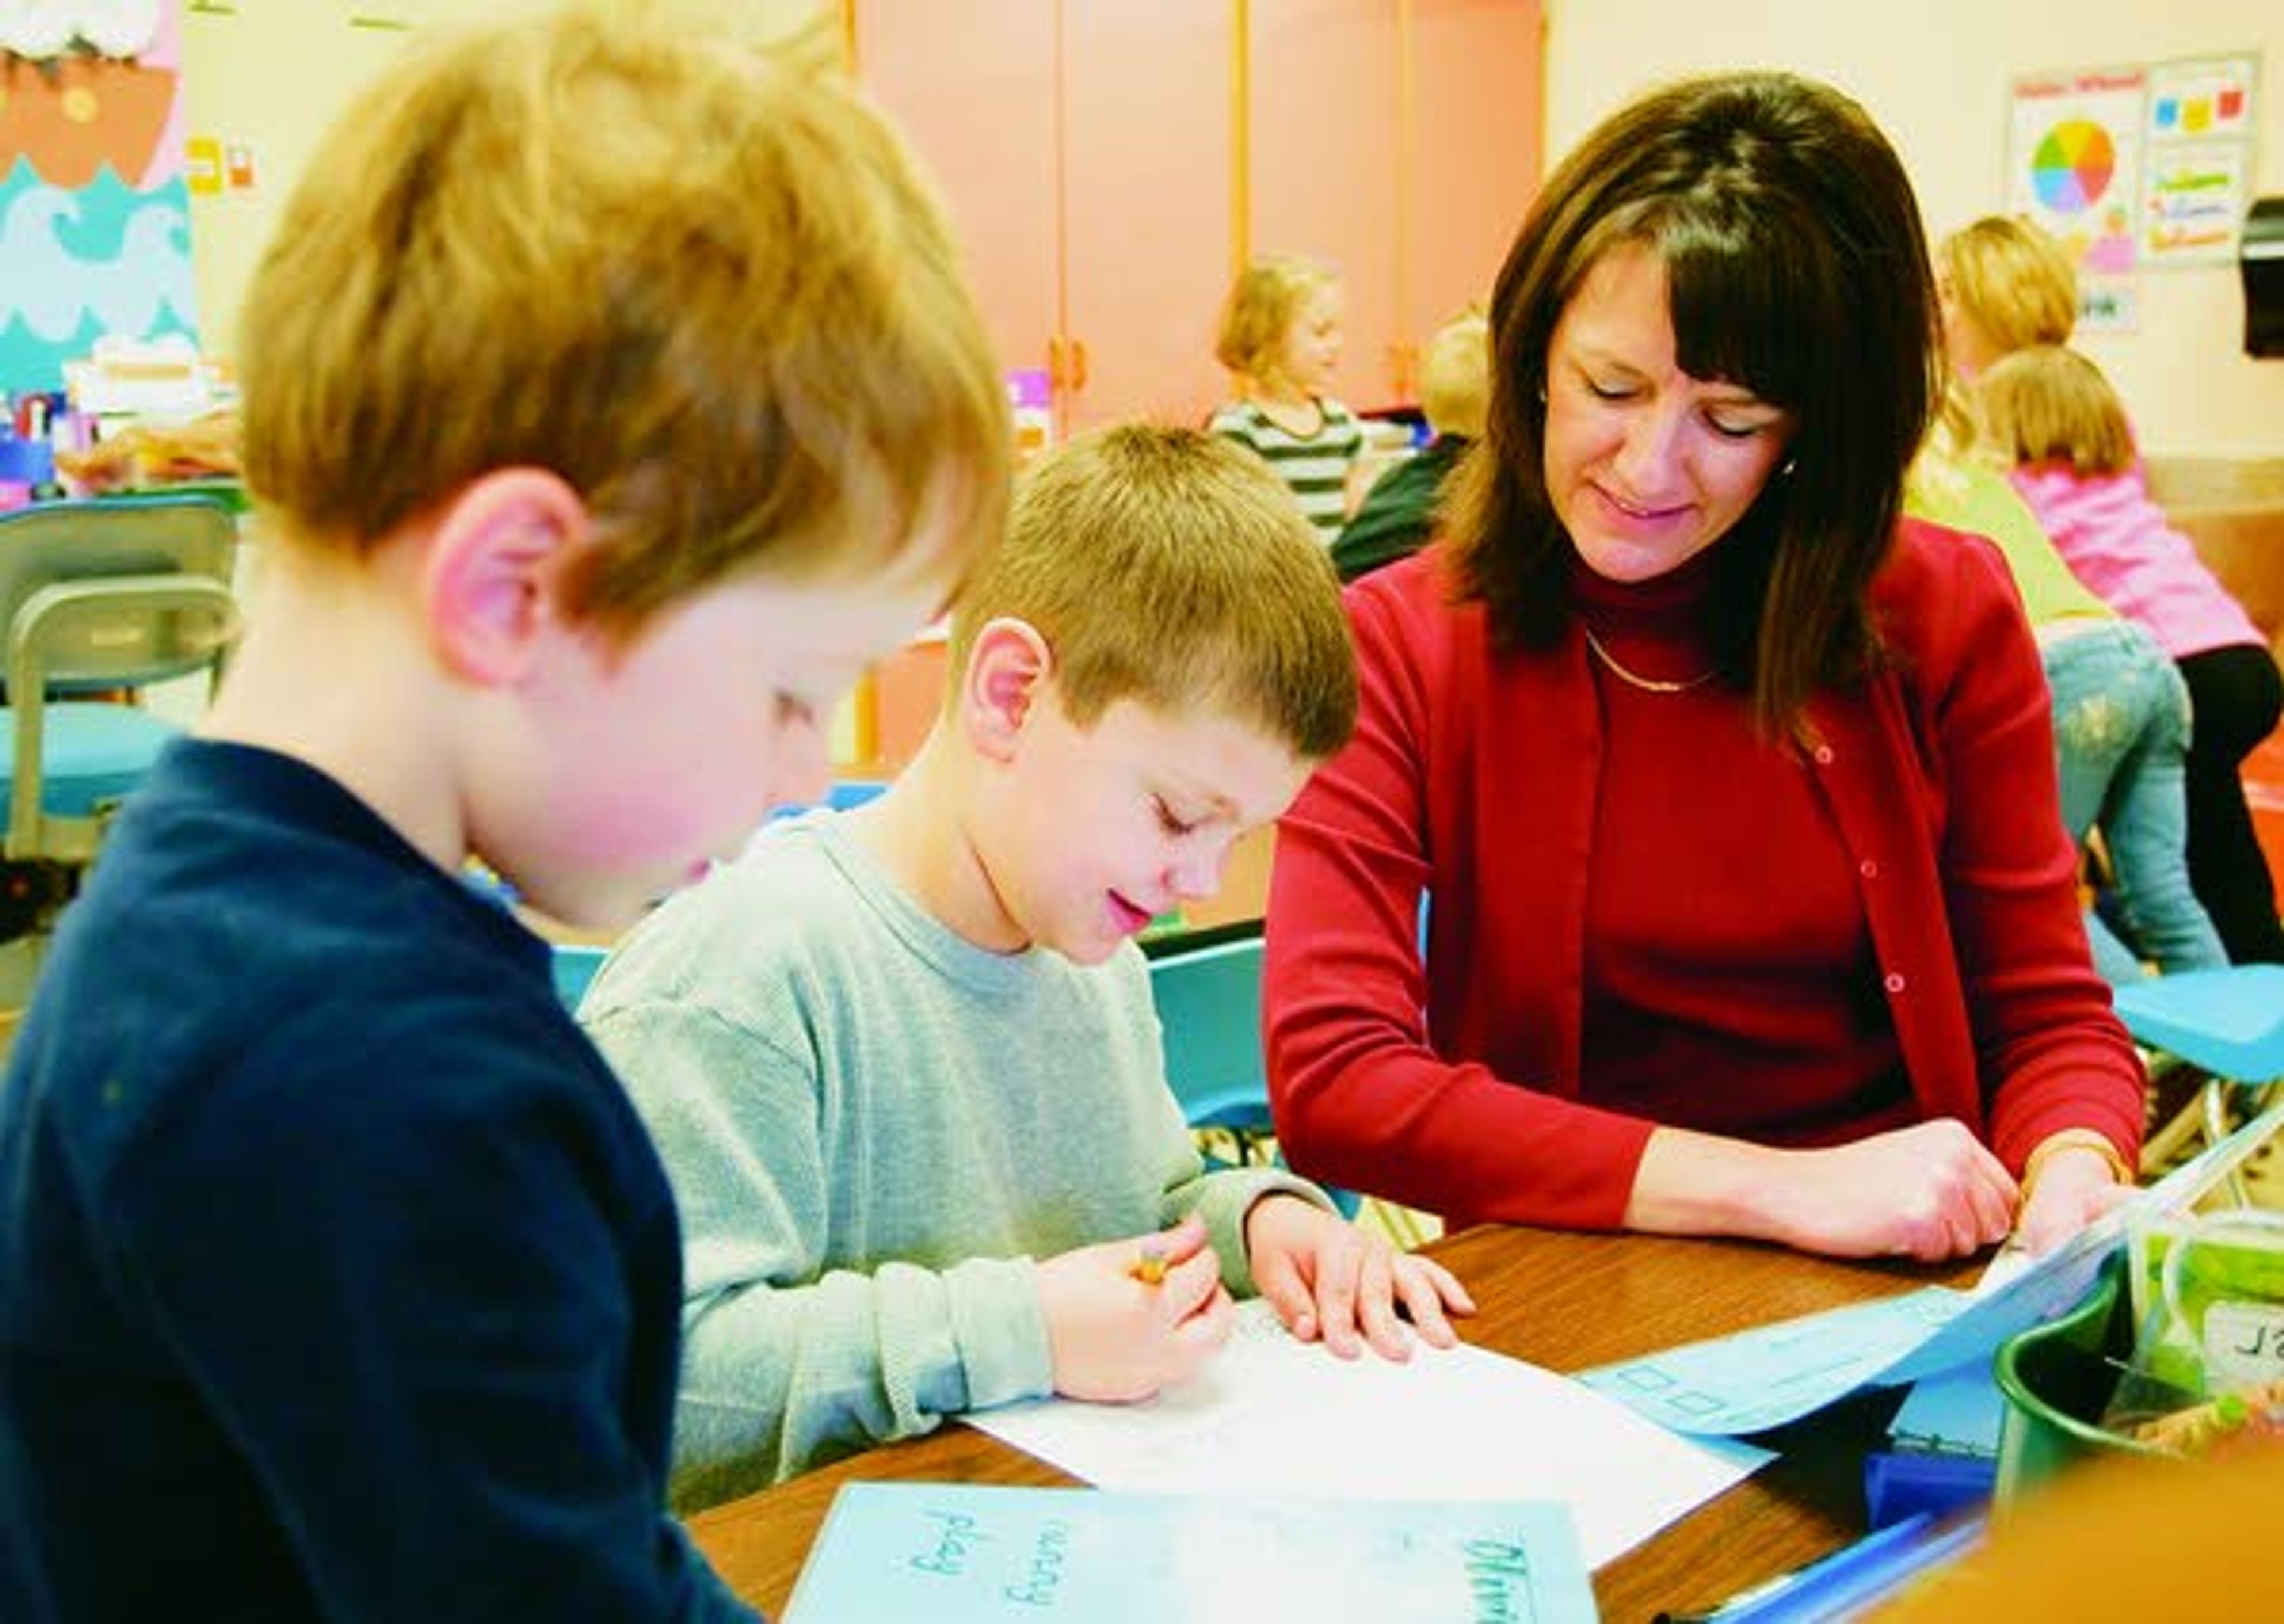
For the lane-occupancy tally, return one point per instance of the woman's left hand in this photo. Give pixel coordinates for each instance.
(1328, 1279)
(2075, 1186)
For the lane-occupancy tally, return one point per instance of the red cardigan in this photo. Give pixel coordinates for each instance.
(1473, 776)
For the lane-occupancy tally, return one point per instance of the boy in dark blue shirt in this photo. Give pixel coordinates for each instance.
(611, 399)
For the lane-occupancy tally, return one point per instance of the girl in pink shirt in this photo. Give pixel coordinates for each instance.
(2055, 419)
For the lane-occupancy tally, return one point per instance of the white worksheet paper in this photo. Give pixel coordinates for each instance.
(1271, 1416)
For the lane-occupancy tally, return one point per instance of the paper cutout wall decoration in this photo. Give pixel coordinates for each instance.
(94, 213)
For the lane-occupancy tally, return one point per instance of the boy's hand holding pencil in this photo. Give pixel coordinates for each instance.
(1128, 1317)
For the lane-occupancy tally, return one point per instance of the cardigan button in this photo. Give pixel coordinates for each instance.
(1823, 755)
(1868, 869)
(1895, 983)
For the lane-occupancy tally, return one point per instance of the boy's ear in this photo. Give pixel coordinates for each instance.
(1006, 663)
(491, 576)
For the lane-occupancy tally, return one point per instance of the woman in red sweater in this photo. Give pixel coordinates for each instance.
(1752, 912)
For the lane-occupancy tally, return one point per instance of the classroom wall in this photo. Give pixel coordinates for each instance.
(1936, 74)
(272, 74)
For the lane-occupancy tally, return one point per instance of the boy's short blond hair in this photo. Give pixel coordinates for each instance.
(672, 258)
(1169, 566)
(2013, 281)
(1260, 311)
(2047, 405)
(1455, 376)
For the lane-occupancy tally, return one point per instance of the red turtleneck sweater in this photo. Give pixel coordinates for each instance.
(1715, 999)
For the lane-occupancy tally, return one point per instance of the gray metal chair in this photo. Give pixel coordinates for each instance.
(98, 599)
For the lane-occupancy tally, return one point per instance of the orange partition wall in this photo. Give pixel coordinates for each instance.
(1476, 148)
(1323, 79)
(1146, 184)
(1402, 140)
(2263, 792)
(975, 99)
(1108, 163)
(907, 694)
(1083, 149)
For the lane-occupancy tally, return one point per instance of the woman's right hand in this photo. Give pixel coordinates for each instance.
(1114, 1338)
(1930, 1191)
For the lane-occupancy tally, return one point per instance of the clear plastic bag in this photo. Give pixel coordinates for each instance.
(2207, 1361)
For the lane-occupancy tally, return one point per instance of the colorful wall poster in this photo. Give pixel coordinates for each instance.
(2201, 131)
(94, 207)
(2074, 167)
(2192, 205)
(2204, 98)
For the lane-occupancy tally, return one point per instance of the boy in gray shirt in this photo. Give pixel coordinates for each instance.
(901, 1063)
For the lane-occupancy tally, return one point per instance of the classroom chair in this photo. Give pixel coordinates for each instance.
(2227, 1023)
(574, 965)
(99, 599)
(1209, 999)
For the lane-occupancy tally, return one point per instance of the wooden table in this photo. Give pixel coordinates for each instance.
(1564, 1301)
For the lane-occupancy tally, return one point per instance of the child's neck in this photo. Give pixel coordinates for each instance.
(918, 832)
(362, 725)
(1289, 406)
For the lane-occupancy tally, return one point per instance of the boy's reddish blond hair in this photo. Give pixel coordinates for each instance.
(677, 262)
(1170, 567)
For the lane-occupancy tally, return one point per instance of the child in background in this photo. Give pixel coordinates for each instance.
(1280, 340)
(2003, 285)
(338, 1279)
(2054, 419)
(1398, 513)
(893, 1055)
(2121, 709)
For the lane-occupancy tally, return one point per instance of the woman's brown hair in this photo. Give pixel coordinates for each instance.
(1795, 267)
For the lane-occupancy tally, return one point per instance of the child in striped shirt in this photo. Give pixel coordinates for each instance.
(1280, 336)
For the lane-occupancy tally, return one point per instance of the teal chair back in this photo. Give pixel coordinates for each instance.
(1209, 999)
(2228, 1023)
(574, 966)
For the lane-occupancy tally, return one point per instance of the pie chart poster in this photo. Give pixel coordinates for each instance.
(2074, 167)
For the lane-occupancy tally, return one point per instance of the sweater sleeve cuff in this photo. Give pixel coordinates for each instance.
(999, 1333)
(1589, 1184)
(1224, 1202)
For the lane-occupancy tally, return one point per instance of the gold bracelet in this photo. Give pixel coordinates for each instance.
(2073, 1139)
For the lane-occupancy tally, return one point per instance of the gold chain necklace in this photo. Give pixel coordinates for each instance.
(1648, 684)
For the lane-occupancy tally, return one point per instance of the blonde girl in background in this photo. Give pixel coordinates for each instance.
(2055, 420)
(2004, 285)
(1280, 340)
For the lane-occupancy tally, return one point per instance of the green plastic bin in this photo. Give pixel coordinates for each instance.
(2057, 1378)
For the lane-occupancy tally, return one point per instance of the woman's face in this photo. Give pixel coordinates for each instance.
(1646, 466)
